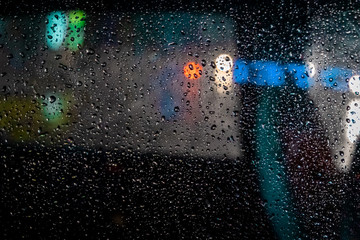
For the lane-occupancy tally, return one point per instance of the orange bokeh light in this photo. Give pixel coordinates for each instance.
(193, 70)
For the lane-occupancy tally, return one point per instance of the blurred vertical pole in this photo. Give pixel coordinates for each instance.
(271, 168)
(249, 99)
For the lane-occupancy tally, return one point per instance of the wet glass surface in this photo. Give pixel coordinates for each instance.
(178, 120)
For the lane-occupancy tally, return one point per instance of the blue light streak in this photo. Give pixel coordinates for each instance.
(267, 73)
(336, 78)
(300, 74)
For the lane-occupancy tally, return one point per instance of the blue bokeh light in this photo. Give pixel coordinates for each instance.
(301, 75)
(241, 72)
(335, 78)
(267, 73)
(167, 105)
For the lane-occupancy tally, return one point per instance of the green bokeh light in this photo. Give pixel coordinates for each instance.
(75, 37)
(53, 108)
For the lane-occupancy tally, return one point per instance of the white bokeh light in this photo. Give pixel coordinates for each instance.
(224, 62)
(311, 69)
(353, 121)
(354, 84)
(223, 73)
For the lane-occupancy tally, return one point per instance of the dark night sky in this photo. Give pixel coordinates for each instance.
(24, 6)
(284, 23)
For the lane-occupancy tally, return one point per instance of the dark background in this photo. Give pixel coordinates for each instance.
(141, 196)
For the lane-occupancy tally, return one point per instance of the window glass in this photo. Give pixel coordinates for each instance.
(180, 120)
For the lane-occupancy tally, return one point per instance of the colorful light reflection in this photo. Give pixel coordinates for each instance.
(193, 70)
(353, 121)
(224, 73)
(56, 29)
(335, 78)
(302, 75)
(65, 29)
(267, 73)
(354, 84)
(241, 72)
(224, 62)
(76, 33)
(53, 108)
